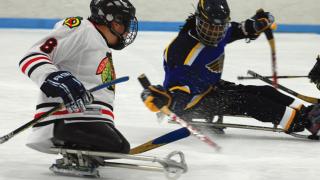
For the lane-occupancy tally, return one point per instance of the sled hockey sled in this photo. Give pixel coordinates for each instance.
(86, 163)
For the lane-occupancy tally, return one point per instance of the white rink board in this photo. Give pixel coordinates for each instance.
(285, 11)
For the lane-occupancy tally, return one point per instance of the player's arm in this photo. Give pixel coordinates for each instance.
(156, 96)
(41, 65)
(252, 27)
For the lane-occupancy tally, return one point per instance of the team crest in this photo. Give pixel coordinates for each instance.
(216, 65)
(72, 22)
(106, 70)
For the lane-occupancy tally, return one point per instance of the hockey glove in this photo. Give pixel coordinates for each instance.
(63, 84)
(258, 23)
(156, 97)
(314, 74)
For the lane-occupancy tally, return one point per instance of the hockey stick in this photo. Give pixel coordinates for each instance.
(298, 95)
(55, 109)
(162, 140)
(269, 34)
(146, 83)
(279, 77)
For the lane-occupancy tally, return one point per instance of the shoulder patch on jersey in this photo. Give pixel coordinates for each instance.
(72, 22)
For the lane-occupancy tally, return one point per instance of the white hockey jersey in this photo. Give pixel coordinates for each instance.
(75, 45)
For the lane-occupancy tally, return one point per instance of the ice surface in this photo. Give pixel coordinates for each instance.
(246, 154)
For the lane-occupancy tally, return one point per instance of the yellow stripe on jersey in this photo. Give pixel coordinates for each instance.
(181, 88)
(193, 54)
(197, 98)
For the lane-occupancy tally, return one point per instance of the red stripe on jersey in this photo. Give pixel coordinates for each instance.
(102, 111)
(56, 113)
(25, 66)
(107, 112)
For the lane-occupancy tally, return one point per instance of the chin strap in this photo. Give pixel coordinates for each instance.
(120, 45)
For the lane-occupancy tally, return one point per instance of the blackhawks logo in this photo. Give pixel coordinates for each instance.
(106, 70)
(72, 22)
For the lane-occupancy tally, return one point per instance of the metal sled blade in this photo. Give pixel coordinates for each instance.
(173, 168)
(173, 165)
(75, 171)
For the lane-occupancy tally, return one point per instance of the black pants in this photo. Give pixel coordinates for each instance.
(95, 136)
(263, 103)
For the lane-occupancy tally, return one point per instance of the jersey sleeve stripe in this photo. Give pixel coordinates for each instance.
(36, 66)
(30, 55)
(26, 65)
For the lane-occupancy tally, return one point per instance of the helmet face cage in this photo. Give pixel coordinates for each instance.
(131, 31)
(130, 23)
(209, 33)
(212, 21)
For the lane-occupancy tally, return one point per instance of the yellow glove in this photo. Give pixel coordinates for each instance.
(156, 97)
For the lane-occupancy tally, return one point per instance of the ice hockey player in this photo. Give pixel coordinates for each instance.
(193, 64)
(74, 57)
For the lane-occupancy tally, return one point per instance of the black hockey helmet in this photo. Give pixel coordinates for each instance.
(121, 11)
(212, 21)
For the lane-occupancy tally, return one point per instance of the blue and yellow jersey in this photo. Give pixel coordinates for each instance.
(191, 66)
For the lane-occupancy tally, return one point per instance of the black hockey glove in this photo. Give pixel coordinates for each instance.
(314, 74)
(258, 23)
(63, 84)
(156, 97)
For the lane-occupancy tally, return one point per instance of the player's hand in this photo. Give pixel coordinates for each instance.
(262, 21)
(63, 84)
(257, 24)
(156, 97)
(314, 74)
